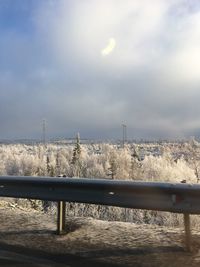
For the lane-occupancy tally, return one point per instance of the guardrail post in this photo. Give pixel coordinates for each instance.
(187, 231)
(61, 217)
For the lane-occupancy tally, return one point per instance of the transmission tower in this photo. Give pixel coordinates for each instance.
(44, 132)
(124, 132)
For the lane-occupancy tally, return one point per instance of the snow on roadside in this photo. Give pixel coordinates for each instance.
(124, 244)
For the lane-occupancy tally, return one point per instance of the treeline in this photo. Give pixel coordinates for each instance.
(101, 161)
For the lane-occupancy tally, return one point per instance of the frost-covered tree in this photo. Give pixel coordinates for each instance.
(192, 156)
(77, 150)
(136, 170)
(164, 168)
(176, 163)
(2, 168)
(76, 158)
(112, 170)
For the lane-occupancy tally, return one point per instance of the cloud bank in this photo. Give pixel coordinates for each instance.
(52, 67)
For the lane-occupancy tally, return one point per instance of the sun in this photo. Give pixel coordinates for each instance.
(109, 48)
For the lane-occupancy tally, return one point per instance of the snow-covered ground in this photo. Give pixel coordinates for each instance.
(27, 238)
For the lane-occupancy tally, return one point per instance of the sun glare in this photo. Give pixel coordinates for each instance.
(109, 48)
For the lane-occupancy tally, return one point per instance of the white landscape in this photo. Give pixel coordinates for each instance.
(164, 162)
(94, 232)
(94, 67)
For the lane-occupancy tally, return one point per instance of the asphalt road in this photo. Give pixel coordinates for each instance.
(17, 256)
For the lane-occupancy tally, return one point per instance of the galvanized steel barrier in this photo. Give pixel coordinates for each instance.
(177, 198)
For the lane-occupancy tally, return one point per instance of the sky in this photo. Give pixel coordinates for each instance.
(90, 66)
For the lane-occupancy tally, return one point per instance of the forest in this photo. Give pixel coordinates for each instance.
(167, 162)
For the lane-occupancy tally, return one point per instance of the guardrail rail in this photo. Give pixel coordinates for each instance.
(171, 197)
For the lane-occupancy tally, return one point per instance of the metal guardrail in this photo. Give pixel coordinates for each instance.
(177, 198)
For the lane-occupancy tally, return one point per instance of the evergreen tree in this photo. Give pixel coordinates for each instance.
(76, 162)
(112, 169)
(48, 165)
(77, 150)
(113, 165)
(57, 165)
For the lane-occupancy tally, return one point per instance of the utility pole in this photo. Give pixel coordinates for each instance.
(44, 132)
(124, 131)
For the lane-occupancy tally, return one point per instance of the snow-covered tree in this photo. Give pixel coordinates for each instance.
(76, 158)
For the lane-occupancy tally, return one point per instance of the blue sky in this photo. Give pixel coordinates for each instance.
(89, 66)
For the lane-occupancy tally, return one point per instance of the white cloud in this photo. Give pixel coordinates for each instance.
(79, 30)
(183, 63)
(157, 41)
